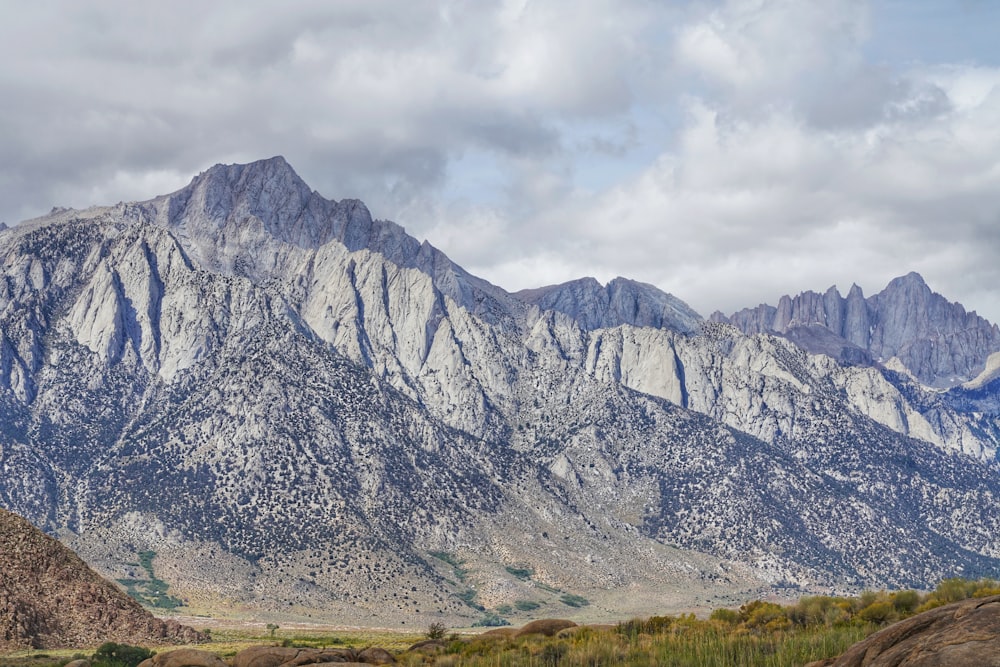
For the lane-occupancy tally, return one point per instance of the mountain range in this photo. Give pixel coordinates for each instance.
(301, 409)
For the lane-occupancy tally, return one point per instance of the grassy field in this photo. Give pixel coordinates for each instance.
(758, 634)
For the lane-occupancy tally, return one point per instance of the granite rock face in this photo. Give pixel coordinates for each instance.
(936, 341)
(294, 404)
(622, 301)
(964, 634)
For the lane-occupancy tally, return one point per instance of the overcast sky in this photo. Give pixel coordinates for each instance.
(726, 151)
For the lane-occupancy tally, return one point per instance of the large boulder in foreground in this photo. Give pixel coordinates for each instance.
(964, 634)
(49, 598)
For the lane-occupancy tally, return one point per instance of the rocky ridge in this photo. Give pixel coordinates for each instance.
(906, 325)
(49, 598)
(296, 405)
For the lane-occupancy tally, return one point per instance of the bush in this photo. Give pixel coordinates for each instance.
(906, 602)
(727, 616)
(571, 600)
(436, 631)
(111, 654)
(878, 612)
(522, 573)
(490, 621)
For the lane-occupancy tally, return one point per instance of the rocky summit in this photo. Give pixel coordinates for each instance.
(906, 325)
(49, 598)
(243, 394)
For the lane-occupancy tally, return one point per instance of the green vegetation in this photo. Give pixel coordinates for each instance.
(523, 574)
(757, 633)
(571, 600)
(460, 572)
(152, 591)
(489, 620)
(526, 605)
(111, 654)
(468, 596)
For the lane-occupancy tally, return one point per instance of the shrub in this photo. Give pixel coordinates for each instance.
(727, 616)
(906, 602)
(878, 612)
(436, 631)
(522, 573)
(111, 654)
(571, 600)
(761, 615)
(490, 621)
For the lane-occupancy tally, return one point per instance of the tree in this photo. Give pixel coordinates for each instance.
(436, 631)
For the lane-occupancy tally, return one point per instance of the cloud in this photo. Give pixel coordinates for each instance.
(726, 151)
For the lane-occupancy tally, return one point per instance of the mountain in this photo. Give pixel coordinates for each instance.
(301, 409)
(936, 341)
(49, 598)
(621, 301)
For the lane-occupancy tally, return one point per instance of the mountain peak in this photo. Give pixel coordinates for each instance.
(621, 301)
(936, 340)
(911, 280)
(228, 201)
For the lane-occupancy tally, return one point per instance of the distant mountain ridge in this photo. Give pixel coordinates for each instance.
(621, 301)
(301, 408)
(940, 343)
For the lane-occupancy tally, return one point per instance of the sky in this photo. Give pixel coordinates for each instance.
(726, 151)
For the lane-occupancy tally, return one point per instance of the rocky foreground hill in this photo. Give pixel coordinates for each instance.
(294, 406)
(49, 598)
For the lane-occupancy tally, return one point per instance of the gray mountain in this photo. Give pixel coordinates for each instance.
(936, 341)
(299, 408)
(621, 301)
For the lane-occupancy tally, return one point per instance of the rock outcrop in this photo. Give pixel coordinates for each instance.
(964, 634)
(277, 656)
(49, 598)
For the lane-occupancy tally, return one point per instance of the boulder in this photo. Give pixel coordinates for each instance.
(185, 657)
(964, 634)
(264, 656)
(429, 646)
(283, 656)
(317, 656)
(545, 626)
(376, 656)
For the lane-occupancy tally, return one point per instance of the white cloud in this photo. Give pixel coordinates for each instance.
(727, 151)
